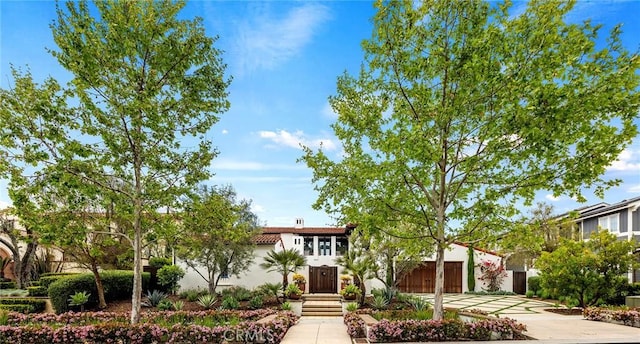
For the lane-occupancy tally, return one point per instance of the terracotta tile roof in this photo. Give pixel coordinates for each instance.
(265, 239)
(480, 249)
(305, 230)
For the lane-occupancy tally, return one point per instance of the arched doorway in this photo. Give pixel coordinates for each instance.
(8, 268)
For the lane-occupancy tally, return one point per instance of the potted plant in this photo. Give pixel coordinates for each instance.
(345, 280)
(350, 292)
(300, 281)
(293, 292)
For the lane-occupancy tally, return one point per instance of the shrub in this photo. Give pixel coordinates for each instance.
(178, 305)
(238, 292)
(256, 302)
(168, 277)
(23, 305)
(352, 306)
(530, 294)
(154, 298)
(37, 291)
(270, 289)
(192, 295)
(230, 302)
(534, 283)
(379, 302)
(159, 262)
(207, 301)
(165, 305)
(118, 285)
(418, 303)
(285, 306)
(8, 285)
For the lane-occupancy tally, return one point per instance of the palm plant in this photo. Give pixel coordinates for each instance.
(284, 262)
(360, 266)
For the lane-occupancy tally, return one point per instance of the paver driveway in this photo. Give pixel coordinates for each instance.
(494, 304)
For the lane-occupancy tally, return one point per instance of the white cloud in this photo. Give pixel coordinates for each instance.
(226, 164)
(634, 189)
(265, 41)
(552, 198)
(257, 208)
(628, 160)
(225, 131)
(297, 140)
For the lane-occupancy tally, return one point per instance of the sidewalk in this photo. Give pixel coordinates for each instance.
(318, 330)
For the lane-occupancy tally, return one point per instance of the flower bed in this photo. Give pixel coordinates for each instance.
(433, 330)
(622, 315)
(157, 327)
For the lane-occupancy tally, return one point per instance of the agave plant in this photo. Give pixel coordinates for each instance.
(79, 299)
(207, 301)
(154, 298)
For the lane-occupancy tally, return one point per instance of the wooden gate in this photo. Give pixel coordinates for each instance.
(423, 278)
(323, 279)
(520, 282)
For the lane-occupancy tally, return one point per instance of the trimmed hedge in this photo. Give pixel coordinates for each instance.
(34, 305)
(8, 285)
(46, 281)
(25, 309)
(118, 285)
(37, 291)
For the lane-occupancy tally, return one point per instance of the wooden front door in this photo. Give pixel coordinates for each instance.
(423, 278)
(520, 282)
(323, 279)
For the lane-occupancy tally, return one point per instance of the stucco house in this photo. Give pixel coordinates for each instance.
(322, 245)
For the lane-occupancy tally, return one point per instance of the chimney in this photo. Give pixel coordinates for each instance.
(299, 223)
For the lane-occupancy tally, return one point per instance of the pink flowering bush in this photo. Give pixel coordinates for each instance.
(624, 315)
(492, 274)
(111, 329)
(445, 330)
(356, 327)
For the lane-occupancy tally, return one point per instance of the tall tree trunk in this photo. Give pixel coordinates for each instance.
(438, 309)
(26, 265)
(102, 303)
(136, 298)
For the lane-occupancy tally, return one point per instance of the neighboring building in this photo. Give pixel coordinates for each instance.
(621, 219)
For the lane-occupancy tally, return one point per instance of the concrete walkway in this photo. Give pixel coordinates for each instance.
(318, 330)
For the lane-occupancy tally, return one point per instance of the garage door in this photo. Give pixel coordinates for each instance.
(423, 279)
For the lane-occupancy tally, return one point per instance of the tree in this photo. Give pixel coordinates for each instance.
(220, 236)
(284, 262)
(390, 258)
(149, 86)
(588, 272)
(471, 269)
(540, 232)
(461, 109)
(23, 256)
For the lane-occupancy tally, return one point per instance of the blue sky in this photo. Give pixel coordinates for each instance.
(285, 57)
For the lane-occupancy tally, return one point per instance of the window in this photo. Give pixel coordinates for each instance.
(342, 246)
(610, 223)
(308, 246)
(224, 274)
(324, 246)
